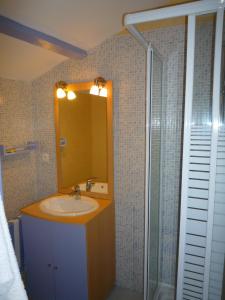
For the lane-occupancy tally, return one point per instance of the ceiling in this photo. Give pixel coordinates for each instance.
(82, 23)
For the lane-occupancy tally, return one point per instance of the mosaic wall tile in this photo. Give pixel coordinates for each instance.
(121, 60)
(17, 127)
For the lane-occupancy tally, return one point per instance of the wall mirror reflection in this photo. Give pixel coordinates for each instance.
(84, 138)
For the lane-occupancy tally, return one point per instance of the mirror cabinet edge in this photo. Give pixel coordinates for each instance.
(79, 86)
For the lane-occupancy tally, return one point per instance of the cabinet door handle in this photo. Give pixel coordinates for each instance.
(55, 268)
(49, 265)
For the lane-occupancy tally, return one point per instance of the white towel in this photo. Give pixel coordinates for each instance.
(6, 272)
(11, 285)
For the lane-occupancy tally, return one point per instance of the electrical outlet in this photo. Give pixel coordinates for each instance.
(45, 157)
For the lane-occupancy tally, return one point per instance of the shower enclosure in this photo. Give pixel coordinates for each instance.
(202, 192)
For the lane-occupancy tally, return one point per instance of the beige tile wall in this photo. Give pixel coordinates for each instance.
(16, 128)
(121, 60)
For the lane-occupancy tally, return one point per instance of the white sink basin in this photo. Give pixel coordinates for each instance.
(68, 205)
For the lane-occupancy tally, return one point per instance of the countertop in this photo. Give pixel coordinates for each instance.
(34, 210)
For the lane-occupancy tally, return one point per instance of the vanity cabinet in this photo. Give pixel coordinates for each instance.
(69, 261)
(55, 260)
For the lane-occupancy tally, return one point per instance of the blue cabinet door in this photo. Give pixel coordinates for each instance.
(55, 260)
(70, 262)
(38, 257)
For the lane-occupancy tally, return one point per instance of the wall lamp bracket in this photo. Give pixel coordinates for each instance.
(99, 88)
(62, 91)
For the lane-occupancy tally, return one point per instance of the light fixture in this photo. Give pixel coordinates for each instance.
(71, 95)
(94, 90)
(61, 89)
(60, 93)
(99, 88)
(103, 92)
(63, 92)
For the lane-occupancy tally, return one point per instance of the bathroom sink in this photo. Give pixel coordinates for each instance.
(68, 205)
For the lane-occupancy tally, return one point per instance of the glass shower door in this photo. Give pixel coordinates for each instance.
(154, 121)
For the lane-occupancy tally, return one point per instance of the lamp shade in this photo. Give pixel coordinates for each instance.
(60, 93)
(94, 90)
(71, 95)
(103, 92)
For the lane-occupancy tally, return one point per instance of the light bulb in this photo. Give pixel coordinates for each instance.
(71, 95)
(94, 90)
(103, 92)
(60, 93)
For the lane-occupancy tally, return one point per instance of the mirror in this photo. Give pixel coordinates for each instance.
(84, 141)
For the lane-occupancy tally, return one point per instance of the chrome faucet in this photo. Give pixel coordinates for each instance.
(76, 191)
(89, 184)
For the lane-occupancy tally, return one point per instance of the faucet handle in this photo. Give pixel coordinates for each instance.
(90, 183)
(76, 191)
(76, 188)
(91, 179)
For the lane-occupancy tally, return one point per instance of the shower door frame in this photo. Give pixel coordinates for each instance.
(150, 52)
(191, 10)
(214, 141)
(149, 69)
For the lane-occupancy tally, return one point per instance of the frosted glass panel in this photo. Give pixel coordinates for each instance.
(156, 115)
(203, 70)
